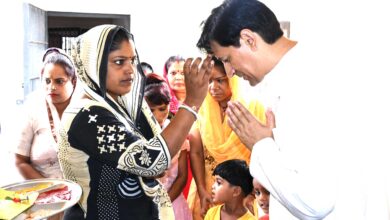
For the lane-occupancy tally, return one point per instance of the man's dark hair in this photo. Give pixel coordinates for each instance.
(227, 20)
(236, 172)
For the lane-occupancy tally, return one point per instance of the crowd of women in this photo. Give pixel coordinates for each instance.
(138, 132)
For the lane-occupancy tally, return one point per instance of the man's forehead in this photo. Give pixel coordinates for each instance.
(215, 48)
(220, 52)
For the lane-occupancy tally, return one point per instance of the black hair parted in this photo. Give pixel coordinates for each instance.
(120, 35)
(227, 20)
(62, 60)
(236, 172)
(115, 37)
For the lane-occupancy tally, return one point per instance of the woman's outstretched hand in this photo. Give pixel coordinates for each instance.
(197, 75)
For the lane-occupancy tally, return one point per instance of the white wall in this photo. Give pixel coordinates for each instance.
(161, 28)
(11, 66)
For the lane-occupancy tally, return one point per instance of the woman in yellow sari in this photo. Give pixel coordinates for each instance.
(212, 140)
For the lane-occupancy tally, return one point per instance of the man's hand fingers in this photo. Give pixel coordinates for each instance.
(232, 118)
(270, 119)
(240, 112)
(245, 113)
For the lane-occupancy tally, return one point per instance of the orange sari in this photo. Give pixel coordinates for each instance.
(219, 142)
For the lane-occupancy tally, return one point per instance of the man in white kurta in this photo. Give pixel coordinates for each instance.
(315, 165)
(296, 164)
(319, 153)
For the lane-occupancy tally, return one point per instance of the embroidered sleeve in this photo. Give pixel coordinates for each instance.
(98, 133)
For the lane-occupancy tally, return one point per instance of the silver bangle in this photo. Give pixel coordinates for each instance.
(188, 108)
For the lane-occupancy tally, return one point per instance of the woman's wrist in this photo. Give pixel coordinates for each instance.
(192, 109)
(191, 105)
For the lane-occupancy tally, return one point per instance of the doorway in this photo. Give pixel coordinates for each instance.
(44, 29)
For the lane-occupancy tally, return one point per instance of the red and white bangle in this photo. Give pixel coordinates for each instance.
(192, 109)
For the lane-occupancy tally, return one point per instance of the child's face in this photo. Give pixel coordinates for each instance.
(160, 112)
(221, 190)
(262, 196)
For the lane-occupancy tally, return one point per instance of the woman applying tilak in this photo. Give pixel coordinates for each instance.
(111, 143)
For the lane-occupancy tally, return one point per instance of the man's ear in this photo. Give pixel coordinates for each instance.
(248, 37)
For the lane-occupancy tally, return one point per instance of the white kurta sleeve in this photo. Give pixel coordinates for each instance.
(302, 192)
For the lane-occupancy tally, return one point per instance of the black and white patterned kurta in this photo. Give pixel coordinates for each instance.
(101, 148)
(106, 158)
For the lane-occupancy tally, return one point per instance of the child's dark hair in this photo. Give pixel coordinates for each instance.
(236, 172)
(157, 90)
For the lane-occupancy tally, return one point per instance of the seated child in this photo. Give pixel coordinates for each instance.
(262, 197)
(157, 96)
(232, 184)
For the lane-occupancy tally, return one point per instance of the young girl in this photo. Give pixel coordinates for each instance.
(158, 98)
